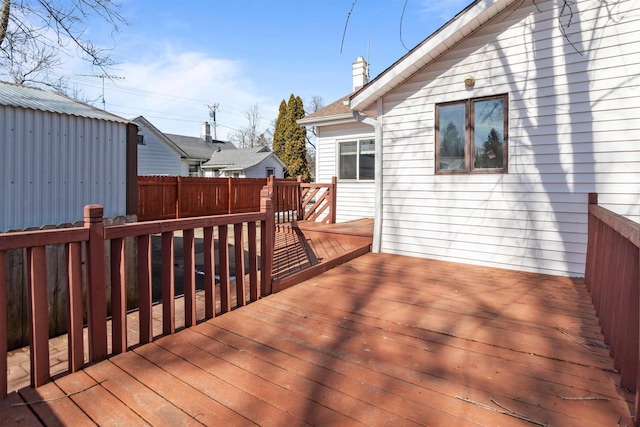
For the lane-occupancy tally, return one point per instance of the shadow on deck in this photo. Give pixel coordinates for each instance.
(380, 340)
(305, 249)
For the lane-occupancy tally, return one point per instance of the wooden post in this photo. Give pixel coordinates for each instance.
(3, 325)
(223, 256)
(209, 274)
(38, 315)
(334, 199)
(144, 289)
(189, 277)
(178, 196)
(298, 196)
(118, 297)
(267, 241)
(229, 196)
(96, 287)
(637, 397)
(238, 245)
(74, 305)
(168, 289)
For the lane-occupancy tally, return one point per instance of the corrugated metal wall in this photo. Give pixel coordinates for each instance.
(52, 165)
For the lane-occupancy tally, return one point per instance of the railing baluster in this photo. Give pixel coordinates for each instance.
(38, 315)
(253, 262)
(3, 325)
(168, 288)
(75, 312)
(145, 318)
(209, 274)
(118, 297)
(189, 277)
(223, 255)
(238, 245)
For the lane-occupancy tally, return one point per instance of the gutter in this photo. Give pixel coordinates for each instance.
(377, 125)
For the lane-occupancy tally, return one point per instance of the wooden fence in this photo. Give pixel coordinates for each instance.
(170, 197)
(90, 240)
(612, 275)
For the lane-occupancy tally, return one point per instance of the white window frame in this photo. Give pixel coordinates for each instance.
(358, 154)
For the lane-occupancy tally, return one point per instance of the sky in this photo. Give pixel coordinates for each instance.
(176, 58)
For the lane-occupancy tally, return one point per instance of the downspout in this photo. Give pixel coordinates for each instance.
(377, 125)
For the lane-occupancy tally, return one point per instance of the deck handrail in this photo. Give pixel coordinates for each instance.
(612, 275)
(94, 235)
(294, 200)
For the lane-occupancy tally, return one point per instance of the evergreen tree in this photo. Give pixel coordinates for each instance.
(289, 139)
(278, 131)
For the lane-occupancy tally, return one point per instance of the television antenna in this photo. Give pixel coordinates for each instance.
(102, 77)
(213, 109)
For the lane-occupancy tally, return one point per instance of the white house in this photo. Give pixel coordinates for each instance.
(58, 155)
(157, 154)
(491, 132)
(175, 155)
(198, 150)
(346, 150)
(255, 162)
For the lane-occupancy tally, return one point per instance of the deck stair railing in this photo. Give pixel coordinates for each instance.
(91, 239)
(612, 275)
(294, 200)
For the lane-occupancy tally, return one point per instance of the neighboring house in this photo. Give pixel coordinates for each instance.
(157, 154)
(255, 162)
(346, 151)
(198, 150)
(58, 155)
(491, 132)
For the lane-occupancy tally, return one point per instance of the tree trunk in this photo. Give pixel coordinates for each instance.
(4, 19)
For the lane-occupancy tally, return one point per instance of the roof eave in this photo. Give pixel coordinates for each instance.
(449, 35)
(327, 120)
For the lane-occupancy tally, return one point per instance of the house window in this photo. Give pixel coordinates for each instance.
(271, 171)
(356, 160)
(141, 138)
(471, 135)
(193, 170)
(236, 175)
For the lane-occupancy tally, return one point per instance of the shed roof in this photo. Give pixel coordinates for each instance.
(198, 148)
(241, 159)
(18, 96)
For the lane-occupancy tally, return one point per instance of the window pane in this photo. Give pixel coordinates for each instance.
(348, 159)
(488, 138)
(367, 159)
(452, 135)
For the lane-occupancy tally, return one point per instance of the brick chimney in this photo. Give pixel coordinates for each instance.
(360, 73)
(206, 132)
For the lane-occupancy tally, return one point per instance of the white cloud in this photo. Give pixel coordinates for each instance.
(172, 90)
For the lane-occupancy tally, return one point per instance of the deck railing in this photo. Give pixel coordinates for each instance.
(170, 197)
(92, 237)
(294, 200)
(612, 275)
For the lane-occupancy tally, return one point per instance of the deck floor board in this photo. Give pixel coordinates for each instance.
(380, 340)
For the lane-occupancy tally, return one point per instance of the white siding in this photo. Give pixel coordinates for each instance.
(574, 128)
(156, 158)
(260, 170)
(52, 165)
(354, 199)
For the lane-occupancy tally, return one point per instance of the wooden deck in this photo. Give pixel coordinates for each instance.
(380, 340)
(305, 249)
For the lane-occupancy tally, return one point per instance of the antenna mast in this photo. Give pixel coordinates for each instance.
(102, 77)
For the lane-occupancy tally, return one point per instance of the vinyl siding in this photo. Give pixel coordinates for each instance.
(52, 165)
(260, 170)
(574, 128)
(355, 199)
(156, 158)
